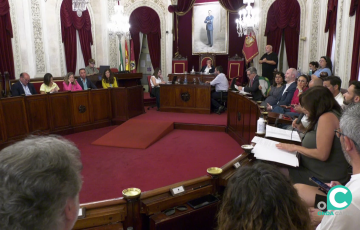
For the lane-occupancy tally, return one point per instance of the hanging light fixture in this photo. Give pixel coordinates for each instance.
(79, 6)
(119, 24)
(248, 19)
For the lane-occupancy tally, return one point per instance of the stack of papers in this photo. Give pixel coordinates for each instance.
(284, 134)
(266, 150)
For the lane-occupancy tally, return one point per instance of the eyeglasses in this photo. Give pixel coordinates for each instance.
(171, 211)
(338, 134)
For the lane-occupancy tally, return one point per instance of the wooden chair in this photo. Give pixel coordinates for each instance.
(7, 86)
(236, 68)
(204, 57)
(179, 65)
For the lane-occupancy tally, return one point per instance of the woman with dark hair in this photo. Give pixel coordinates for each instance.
(325, 66)
(321, 153)
(261, 197)
(70, 84)
(314, 65)
(275, 89)
(49, 86)
(156, 80)
(109, 80)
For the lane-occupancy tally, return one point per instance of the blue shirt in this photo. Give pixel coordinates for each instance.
(26, 89)
(221, 83)
(84, 83)
(327, 70)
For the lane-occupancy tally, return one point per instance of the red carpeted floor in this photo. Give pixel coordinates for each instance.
(179, 156)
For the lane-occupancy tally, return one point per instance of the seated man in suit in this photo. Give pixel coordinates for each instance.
(23, 86)
(208, 68)
(221, 83)
(253, 85)
(287, 94)
(84, 82)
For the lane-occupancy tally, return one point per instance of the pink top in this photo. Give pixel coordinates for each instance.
(71, 87)
(295, 99)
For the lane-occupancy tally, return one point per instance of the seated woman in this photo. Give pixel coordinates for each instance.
(313, 66)
(302, 86)
(208, 68)
(49, 86)
(156, 80)
(320, 154)
(70, 84)
(275, 89)
(261, 197)
(109, 80)
(325, 66)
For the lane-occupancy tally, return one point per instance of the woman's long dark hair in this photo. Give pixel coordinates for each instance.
(47, 79)
(282, 75)
(156, 72)
(328, 62)
(317, 101)
(261, 197)
(111, 78)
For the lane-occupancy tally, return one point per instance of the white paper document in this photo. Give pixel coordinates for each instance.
(282, 133)
(266, 149)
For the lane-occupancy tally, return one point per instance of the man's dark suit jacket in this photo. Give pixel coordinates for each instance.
(254, 89)
(285, 98)
(89, 83)
(212, 70)
(17, 89)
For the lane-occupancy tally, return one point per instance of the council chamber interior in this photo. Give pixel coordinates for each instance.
(159, 138)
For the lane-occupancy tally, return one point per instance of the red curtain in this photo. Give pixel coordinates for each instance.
(6, 53)
(331, 24)
(232, 5)
(70, 22)
(355, 8)
(146, 21)
(284, 15)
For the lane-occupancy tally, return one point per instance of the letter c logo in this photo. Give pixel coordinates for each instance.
(332, 197)
(339, 197)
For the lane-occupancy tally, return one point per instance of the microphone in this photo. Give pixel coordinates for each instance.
(299, 118)
(276, 121)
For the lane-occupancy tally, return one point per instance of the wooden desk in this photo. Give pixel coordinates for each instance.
(243, 114)
(67, 112)
(190, 77)
(128, 79)
(190, 98)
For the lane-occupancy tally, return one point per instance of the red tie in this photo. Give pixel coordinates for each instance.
(251, 82)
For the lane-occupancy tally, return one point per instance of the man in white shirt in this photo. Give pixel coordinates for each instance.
(347, 218)
(208, 68)
(333, 83)
(221, 84)
(352, 95)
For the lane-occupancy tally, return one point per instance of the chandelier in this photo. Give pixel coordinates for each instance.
(119, 24)
(248, 19)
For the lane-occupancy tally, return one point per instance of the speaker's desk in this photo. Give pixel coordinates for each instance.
(189, 98)
(190, 77)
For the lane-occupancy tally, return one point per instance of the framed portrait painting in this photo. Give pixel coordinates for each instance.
(210, 28)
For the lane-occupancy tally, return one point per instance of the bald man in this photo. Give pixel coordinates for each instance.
(269, 63)
(23, 86)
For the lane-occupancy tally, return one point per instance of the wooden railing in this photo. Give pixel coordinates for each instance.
(146, 212)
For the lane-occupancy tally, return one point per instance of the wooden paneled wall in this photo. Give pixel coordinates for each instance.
(67, 112)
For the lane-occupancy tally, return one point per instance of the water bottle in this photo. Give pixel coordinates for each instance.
(260, 125)
(310, 72)
(185, 80)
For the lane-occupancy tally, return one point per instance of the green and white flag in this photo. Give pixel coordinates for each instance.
(121, 67)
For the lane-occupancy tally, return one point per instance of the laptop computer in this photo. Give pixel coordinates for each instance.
(102, 69)
(174, 80)
(232, 86)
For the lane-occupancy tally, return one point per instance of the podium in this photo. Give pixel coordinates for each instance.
(236, 69)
